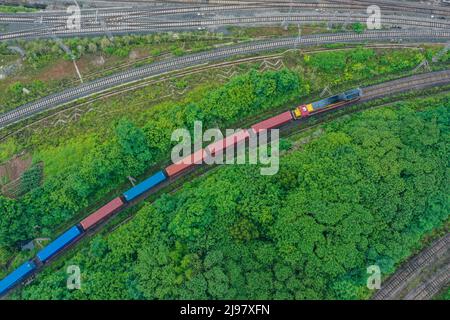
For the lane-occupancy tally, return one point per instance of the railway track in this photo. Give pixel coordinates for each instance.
(120, 67)
(119, 20)
(110, 18)
(416, 82)
(184, 72)
(61, 16)
(133, 75)
(399, 280)
(88, 14)
(136, 25)
(377, 91)
(431, 287)
(363, 4)
(308, 18)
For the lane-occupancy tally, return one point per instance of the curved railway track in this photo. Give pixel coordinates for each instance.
(218, 6)
(100, 85)
(397, 282)
(61, 16)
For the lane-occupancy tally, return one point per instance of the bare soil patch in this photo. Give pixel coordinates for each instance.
(13, 169)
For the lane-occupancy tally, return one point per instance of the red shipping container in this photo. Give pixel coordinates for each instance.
(273, 122)
(176, 168)
(233, 139)
(101, 213)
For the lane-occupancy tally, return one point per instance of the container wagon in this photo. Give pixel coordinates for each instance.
(273, 122)
(16, 276)
(102, 213)
(58, 244)
(185, 163)
(144, 186)
(223, 144)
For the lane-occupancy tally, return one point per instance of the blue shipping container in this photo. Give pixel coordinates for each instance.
(144, 186)
(16, 276)
(54, 247)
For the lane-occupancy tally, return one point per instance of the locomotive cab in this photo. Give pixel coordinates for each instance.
(301, 111)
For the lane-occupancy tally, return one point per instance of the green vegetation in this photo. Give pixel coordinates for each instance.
(131, 151)
(41, 52)
(15, 9)
(358, 27)
(364, 192)
(31, 179)
(84, 163)
(445, 295)
(99, 56)
(336, 67)
(17, 93)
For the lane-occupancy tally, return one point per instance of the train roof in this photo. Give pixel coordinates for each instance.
(59, 243)
(17, 275)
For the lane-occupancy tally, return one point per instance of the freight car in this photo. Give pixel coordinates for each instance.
(273, 122)
(144, 186)
(102, 213)
(185, 163)
(71, 235)
(17, 276)
(217, 148)
(58, 244)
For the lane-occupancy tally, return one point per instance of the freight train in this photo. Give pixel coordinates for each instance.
(70, 236)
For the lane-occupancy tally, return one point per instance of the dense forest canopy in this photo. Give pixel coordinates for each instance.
(364, 192)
